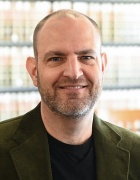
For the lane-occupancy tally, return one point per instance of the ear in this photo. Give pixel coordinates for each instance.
(104, 61)
(31, 66)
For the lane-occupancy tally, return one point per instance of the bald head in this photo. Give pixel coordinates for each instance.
(57, 15)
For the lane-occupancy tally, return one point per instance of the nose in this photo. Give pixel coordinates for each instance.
(72, 68)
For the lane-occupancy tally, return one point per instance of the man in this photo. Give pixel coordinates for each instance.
(62, 138)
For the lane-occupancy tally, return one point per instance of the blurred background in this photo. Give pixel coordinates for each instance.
(119, 21)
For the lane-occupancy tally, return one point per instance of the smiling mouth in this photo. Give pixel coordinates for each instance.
(73, 87)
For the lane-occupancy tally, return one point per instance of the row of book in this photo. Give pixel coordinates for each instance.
(123, 66)
(13, 71)
(118, 107)
(119, 23)
(15, 104)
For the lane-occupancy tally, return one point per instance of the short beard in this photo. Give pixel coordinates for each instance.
(72, 109)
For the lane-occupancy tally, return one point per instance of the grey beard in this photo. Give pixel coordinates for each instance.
(69, 110)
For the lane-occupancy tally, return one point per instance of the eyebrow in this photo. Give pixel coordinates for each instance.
(52, 53)
(59, 53)
(85, 51)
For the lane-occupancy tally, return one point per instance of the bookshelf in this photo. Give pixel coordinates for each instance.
(120, 35)
(120, 107)
(119, 23)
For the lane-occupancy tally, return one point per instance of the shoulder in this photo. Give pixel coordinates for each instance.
(108, 127)
(122, 131)
(8, 127)
(129, 137)
(7, 131)
(116, 134)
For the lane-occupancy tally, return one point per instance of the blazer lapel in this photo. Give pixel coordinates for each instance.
(112, 160)
(31, 157)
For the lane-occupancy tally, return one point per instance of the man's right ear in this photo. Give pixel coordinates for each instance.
(31, 66)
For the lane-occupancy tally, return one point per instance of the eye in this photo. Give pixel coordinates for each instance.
(55, 59)
(87, 58)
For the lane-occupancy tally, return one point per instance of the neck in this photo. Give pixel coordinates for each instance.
(70, 131)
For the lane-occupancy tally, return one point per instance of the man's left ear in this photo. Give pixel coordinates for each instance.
(104, 61)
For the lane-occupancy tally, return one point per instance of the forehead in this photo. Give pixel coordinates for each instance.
(70, 29)
(67, 22)
(66, 16)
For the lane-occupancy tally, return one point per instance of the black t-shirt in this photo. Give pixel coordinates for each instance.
(72, 162)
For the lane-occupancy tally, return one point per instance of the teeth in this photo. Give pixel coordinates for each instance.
(74, 87)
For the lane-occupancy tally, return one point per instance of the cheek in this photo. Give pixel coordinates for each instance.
(93, 74)
(48, 77)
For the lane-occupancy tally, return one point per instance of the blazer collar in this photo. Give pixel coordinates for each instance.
(31, 156)
(112, 158)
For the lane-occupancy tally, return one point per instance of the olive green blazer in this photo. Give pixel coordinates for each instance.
(24, 150)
